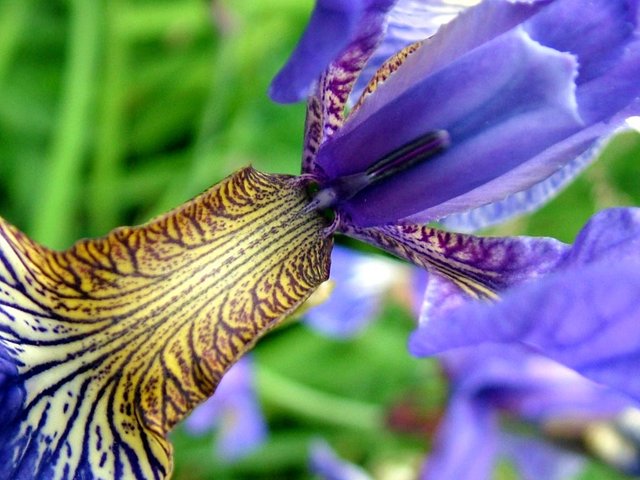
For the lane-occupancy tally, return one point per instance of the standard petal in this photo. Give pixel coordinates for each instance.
(328, 99)
(529, 200)
(598, 35)
(516, 85)
(409, 21)
(468, 31)
(609, 51)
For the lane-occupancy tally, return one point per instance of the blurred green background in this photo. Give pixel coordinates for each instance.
(112, 111)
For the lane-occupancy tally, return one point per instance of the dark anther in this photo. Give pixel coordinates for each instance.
(416, 151)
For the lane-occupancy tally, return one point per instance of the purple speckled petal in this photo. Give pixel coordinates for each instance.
(327, 101)
(479, 266)
(585, 317)
(468, 31)
(516, 85)
(409, 21)
(235, 411)
(465, 444)
(334, 24)
(324, 463)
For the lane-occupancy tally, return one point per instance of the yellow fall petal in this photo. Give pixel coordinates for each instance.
(115, 340)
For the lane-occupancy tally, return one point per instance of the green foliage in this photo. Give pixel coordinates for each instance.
(112, 111)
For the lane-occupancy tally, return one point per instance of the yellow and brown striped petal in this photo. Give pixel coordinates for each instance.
(105, 346)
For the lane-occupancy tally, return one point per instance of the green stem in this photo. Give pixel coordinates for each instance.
(54, 219)
(103, 207)
(13, 17)
(316, 405)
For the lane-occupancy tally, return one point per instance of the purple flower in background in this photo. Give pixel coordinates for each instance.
(361, 282)
(584, 313)
(234, 411)
(490, 382)
(324, 463)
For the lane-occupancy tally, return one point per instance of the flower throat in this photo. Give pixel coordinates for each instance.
(412, 153)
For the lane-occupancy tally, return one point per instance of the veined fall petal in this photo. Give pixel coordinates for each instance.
(107, 345)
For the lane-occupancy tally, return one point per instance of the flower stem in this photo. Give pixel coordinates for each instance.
(13, 18)
(316, 405)
(54, 217)
(103, 208)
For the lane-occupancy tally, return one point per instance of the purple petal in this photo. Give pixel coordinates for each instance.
(585, 318)
(500, 94)
(504, 83)
(332, 27)
(468, 31)
(611, 235)
(465, 444)
(598, 35)
(440, 295)
(529, 200)
(328, 466)
(360, 284)
(12, 390)
(242, 430)
(584, 315)
(529, 386)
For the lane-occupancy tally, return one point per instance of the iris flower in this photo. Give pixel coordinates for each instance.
(104, 347)
(492, 385)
